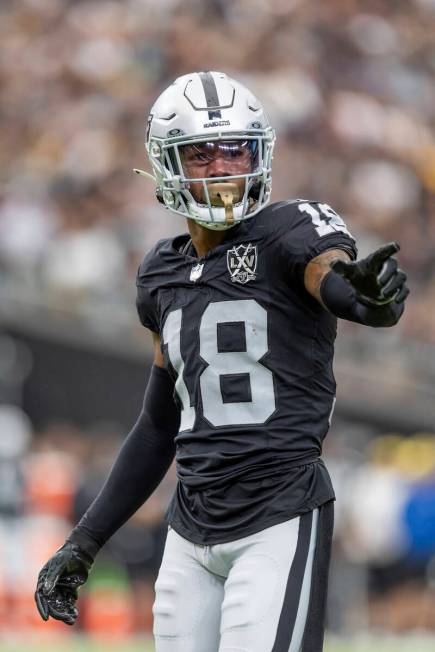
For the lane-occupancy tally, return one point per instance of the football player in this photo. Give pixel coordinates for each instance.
(243, 311)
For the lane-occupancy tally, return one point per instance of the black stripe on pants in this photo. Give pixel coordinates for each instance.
(315, 625)
(290, 605)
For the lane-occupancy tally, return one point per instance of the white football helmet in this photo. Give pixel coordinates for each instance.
(212, 115)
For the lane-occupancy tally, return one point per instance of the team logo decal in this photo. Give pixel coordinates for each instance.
(196, 272)
(217, 123)
(242, 263)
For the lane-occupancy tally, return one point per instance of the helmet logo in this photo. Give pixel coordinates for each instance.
(217, 123)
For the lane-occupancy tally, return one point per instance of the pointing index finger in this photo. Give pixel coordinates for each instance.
(384, 252)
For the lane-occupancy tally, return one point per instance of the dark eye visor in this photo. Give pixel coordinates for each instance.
(239, 152)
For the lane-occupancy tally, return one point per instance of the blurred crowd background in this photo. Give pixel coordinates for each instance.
(349, 86)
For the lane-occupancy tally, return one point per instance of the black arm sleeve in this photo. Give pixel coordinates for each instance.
(143, 460)
(340, 298)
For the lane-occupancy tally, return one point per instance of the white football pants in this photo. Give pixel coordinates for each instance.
(261, 593)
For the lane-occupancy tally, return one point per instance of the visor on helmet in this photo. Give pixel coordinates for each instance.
(236, 157)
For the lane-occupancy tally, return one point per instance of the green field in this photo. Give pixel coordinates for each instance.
(403, 644)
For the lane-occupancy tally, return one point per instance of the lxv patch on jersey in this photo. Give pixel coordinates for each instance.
(242, 263)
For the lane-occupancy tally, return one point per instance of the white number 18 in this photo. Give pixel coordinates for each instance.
(221, 363)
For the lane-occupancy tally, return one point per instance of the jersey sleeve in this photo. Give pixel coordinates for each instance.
(310, 228)
(146, 308)
(146, 286)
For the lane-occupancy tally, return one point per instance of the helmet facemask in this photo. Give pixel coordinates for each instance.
(244, 166)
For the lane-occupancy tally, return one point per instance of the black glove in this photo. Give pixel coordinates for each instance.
(58, 582)
(376, 279)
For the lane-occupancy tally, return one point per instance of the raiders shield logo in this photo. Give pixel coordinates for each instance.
(242, 263)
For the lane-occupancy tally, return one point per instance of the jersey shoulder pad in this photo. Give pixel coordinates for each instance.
(312, 224)
(307, 228)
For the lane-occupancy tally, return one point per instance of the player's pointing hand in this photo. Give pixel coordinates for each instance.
(377, 279)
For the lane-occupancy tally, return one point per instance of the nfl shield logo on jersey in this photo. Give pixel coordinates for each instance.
(196, 271)
(242, 263)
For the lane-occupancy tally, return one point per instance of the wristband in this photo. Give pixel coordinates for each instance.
(342, 301)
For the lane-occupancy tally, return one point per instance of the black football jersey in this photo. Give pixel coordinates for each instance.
(251, 352)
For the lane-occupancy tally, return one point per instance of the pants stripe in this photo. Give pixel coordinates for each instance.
(295, 580)
(315, 624)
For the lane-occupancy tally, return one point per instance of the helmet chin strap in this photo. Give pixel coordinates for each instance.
(224, 194)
